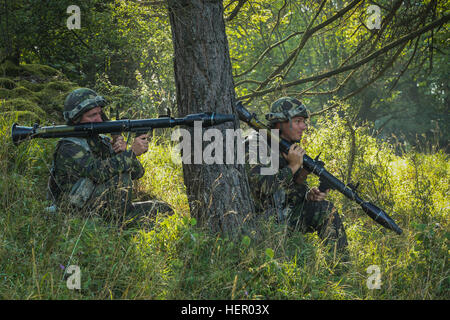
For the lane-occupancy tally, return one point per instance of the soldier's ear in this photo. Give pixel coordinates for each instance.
(276, 125)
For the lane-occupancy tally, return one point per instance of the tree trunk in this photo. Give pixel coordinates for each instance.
(218, 194)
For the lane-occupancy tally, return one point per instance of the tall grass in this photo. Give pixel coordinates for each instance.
(177, 259)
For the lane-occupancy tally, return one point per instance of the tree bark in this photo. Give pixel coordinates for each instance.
(218, 195)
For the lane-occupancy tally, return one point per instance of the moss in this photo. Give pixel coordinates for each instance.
(8, 68)
(22, 92)
(40, 70)
(21, 104)
(22, 117)
(31, 85)
(7, 83)
(60, 86)
(4, 93)
(56, 92)
(36, 88)
(52, 102)
(50, 96)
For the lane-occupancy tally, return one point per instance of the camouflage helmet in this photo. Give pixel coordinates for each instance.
(80, 101)
(284, 109)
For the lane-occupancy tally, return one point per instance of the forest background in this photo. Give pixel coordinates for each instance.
(378, 95)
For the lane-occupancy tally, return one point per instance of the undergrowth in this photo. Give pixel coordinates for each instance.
(177, 259)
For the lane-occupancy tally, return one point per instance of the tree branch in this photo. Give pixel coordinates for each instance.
(307, 34)
(267, 51)
(355, 92)
(357, 64)
(236, 10)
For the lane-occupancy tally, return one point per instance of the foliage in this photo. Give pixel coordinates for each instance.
(177, 259)
(33, 92)
(404, 92)
(124, 52)
(127, 44)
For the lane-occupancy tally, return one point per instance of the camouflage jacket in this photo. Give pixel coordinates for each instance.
(276, 191)
(105, 169)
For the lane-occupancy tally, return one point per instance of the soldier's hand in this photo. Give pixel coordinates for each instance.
(295, 157)
(118, 144)
(140, 145)
(314, 194)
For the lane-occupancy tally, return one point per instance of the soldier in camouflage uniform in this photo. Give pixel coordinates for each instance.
(286, 193)
(96, 174)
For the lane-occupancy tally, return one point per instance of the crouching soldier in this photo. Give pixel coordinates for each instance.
(95, 175)
(286, 193)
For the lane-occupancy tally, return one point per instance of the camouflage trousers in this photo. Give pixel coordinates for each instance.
(112, 201)
(320, 217)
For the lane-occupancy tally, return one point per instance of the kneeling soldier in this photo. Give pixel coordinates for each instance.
(96, 174)
(286, 193)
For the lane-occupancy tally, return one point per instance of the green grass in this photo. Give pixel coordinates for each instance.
(178, 259)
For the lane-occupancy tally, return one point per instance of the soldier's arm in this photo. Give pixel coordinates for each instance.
(75, 159)
(118, 145)
(137, 170)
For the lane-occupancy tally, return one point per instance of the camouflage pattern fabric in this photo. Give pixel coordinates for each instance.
(284, 109)
(80, 101)
(279, 195)
(111, 174)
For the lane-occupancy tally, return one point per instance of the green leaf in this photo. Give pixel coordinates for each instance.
(246, 241)
(269, 253)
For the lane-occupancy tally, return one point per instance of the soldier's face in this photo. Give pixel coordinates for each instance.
(93, 115)
(295, 132)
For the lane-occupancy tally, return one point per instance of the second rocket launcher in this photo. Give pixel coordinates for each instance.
(327, 180)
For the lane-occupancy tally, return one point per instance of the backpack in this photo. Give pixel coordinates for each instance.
(53, 189)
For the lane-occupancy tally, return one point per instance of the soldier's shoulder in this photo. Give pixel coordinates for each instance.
(252, 134)
(69, 147)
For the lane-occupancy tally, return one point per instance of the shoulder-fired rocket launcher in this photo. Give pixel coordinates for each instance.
(139, 126)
